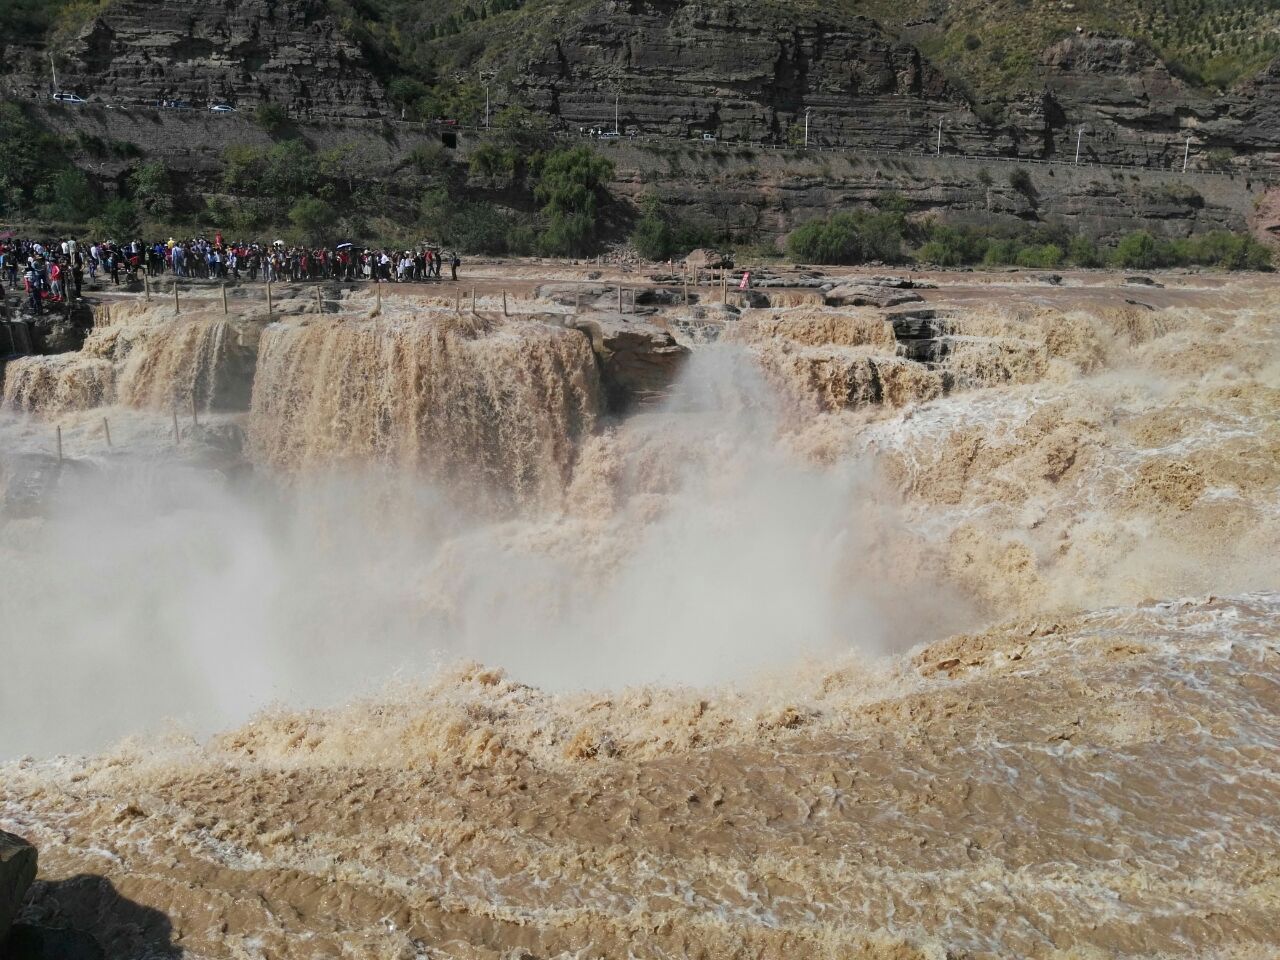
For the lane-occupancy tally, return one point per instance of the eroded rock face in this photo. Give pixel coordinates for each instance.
(869, 295)
(639, 362)
(746, 72)
(1134, 110)
(242, 51)
(17, 872)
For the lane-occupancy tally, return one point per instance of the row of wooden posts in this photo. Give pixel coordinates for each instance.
(378, 289)
(106, 427)
(457, 305)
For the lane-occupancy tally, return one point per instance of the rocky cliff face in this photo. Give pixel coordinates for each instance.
(686, 68)
(744, 72)
(1133, 110)
(240, 51)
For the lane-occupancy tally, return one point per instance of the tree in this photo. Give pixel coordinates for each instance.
(73, 196)
(150, 184)
(570, 185)
(313, 218)
(118, 221)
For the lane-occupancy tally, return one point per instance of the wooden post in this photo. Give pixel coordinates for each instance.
(457, 300)
(577, 301)
(377, 289)
(686, 289)
(724, 286)
(59, 443)
(195, 416)
(268, 295)
(225, 311)
(146, 286)
(619, 297)
(504, 304)
(175, 423)
(473, 300)
(106, 429)
(176, 308)
(319, 300)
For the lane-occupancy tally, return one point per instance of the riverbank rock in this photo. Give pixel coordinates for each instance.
(869, 295)
(17, 873)
(639, 361)
(706, 259)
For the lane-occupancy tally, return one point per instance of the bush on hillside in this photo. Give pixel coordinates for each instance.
(845, 238)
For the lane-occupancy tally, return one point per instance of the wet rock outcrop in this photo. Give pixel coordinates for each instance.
(638, 361)
(17, 873)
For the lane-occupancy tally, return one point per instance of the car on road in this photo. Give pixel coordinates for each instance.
(710, 137)
(222, 108)
(609, 134)
(69, 98)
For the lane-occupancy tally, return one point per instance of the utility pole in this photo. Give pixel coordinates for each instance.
(939, 150)
(486, 105)
(1079, 137)
(807, 111)
(617, 99)
(54, 67)
(1186, 155)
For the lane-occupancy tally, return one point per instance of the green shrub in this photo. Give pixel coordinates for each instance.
(118, 221)
(1221, 248)
(494, 166)
(1140, 250)
(152, 189)
(846, 238)
(314, 219)
(271, 117)
(652, 237)
(1020, 180)
(1040, 256)
(1083, 252)
(473, 226)
(834, 240)
(428, 158)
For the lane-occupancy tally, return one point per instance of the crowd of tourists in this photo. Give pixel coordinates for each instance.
(53, 271)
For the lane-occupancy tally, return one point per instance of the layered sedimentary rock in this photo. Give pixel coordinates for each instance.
(243, 52)
(746, 73)
(1132, 109)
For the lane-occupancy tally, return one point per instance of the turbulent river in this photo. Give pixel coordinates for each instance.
(412, 646)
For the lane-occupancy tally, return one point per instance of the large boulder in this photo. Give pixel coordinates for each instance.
(706, 259)
(869, 295)
(17, 873)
